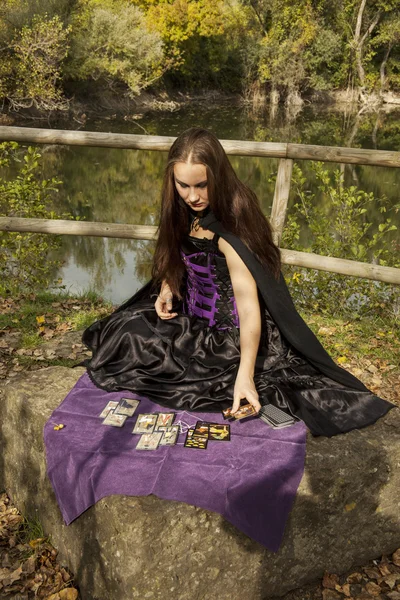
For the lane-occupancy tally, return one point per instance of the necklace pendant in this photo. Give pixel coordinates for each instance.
(195, 224)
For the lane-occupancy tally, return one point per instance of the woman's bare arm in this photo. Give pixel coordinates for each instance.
(248, 306)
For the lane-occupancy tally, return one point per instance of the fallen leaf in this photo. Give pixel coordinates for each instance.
(326, 330)
(329, 594)
(391, 579)
(354, 578)
(396, 558)
(346, 589)
(14, 576)
(66, 576)
(384, 569)
(40, 319)
(373, 588)
(372, 572)
(37, 542)
(330, 580)
(69, 594)
(29, 565)
(4, 573)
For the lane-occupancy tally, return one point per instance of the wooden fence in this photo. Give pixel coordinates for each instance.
(286, 152)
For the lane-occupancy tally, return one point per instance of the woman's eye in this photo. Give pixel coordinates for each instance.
(202, 186)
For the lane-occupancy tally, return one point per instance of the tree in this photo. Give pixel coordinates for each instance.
(111, 42)
(388, 37)
(291, 31)
(194, 37)
(30, 71)
(367, 18)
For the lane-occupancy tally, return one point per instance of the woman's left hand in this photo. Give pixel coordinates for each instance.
(245, 388)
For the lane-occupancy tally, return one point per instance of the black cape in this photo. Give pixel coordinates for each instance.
(293, 328)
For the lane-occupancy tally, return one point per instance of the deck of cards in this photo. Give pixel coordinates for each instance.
(199, 436)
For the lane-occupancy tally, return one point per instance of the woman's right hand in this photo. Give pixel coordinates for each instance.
(163, 304)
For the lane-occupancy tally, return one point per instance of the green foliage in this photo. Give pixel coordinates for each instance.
(342, 231)
(323, 58)
(282, 49)
(31, 68)
(234, 45)
(25, 259)
(111, 42)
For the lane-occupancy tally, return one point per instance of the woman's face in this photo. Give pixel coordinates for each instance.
(191, 183)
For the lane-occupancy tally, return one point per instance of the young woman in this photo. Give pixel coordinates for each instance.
(216, 324)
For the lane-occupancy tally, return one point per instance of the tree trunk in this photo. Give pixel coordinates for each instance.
(383, 68)
(359, 42)
(358, 45)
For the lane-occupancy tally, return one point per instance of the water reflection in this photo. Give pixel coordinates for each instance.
(123, 186)
(114, 268)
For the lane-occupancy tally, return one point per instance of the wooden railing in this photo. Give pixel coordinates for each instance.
(286, 152)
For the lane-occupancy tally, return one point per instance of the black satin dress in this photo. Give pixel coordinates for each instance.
(190, 362)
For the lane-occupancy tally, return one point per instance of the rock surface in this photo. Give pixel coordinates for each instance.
(346, 512)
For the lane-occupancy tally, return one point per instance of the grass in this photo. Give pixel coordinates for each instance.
(35, 318)
(368, 337)
(31, 530)
(28, 312)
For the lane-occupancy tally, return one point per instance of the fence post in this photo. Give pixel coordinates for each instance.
(281, 197)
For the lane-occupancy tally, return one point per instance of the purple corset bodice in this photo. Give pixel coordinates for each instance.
(209, 293)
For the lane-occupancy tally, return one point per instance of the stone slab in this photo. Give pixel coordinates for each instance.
(346, 512)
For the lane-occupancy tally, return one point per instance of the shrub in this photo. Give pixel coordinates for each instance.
(344, 231)
(25, 258)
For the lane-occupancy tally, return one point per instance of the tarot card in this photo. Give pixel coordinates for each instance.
(149, 441)
(127, 406)
(195, 441)
(219, 432)
(170, 435)
(226, 413)
(145, 423)
(110, 406)
(114, 420)
(202, 428)
(245, 411)
(164, 420)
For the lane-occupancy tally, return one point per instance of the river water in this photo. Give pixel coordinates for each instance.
(123, 186)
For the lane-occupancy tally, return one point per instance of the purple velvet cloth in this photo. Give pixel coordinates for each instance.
(251, 480)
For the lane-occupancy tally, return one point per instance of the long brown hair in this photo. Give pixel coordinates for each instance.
(233, 203)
